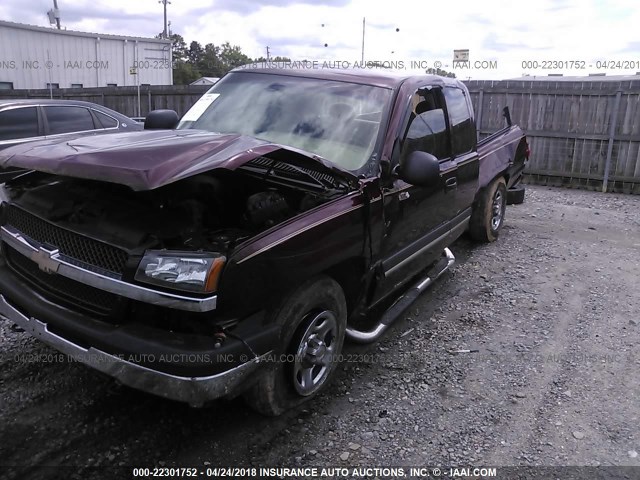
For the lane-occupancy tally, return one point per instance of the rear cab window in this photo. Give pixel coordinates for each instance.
(463, 133)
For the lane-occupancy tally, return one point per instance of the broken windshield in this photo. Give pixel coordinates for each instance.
(338, 121)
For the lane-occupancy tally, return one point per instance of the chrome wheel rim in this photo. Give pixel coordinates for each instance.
(497, 210)
(315, 354)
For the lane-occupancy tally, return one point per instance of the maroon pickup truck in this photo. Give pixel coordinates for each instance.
(232, 253)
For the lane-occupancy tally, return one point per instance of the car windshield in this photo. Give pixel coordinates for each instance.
(338, 121)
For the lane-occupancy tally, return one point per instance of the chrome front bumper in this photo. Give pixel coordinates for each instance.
(192, 390)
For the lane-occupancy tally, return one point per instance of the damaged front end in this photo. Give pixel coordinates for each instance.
(127, 281)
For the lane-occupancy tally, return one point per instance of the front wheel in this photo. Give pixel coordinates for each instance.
(313, 321)
(488, 214)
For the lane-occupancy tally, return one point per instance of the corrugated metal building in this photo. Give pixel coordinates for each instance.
(34, 57)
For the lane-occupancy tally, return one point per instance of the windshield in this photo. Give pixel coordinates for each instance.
(336, 120)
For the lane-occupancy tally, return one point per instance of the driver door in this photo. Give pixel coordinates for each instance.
(417, 218)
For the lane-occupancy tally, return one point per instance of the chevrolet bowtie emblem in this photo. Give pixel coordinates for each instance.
(43, 258)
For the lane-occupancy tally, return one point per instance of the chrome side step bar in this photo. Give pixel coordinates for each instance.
(401, 304)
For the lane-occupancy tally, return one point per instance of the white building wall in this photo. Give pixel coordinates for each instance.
(32, 57)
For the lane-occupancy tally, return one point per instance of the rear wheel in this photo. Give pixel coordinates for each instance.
(488, 214)
(313, 320)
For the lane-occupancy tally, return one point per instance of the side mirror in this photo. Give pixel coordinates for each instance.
(420, 168)
(161, 119)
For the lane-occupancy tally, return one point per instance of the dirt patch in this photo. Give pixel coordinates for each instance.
(551, 307)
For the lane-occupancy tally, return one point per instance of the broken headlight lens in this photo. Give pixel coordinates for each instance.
(189, 271)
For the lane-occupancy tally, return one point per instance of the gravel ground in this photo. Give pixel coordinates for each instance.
(552, 309)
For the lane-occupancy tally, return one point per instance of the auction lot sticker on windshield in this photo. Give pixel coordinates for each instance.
(199, 107)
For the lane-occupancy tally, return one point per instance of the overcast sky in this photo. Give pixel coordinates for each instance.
(506, 32)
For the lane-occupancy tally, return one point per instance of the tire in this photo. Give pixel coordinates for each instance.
(313, 320)
(488, 214)
(515, 195)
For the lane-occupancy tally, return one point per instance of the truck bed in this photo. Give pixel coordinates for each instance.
(506, 146)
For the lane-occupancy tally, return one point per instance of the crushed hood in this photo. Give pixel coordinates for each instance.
(150, 159)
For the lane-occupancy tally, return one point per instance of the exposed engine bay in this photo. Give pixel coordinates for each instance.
(212, 212)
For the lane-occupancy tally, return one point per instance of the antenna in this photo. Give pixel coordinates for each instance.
(54, 15)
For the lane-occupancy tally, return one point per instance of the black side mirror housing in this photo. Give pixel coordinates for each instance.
(420, 168)
(161, 120)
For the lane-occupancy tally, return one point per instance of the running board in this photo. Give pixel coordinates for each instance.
(402, 303)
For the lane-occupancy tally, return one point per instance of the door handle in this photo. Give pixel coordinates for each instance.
(450, 183)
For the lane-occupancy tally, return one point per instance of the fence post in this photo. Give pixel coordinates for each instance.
(612, 132)
(479, 113)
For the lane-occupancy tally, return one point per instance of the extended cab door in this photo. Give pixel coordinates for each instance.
(417, 218)
(464, 155)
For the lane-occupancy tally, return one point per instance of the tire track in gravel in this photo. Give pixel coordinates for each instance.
(519, 438)
(592, 417)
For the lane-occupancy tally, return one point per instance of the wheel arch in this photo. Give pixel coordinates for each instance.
(503, 174)
(349, 274)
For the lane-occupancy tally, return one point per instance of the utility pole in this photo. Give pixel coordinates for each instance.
(363, 30)
(363, 23)
(164, 32)
(54, 14)
(55, 9)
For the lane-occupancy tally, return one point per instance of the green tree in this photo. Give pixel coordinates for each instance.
(183, 72)
(193, 62)
(210, 64)
(216, 61)
(439, 71)
(194, 53)
(272, 59)
(179, 47)
(231, 56)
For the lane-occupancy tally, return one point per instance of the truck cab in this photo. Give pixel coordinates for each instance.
(232, 253)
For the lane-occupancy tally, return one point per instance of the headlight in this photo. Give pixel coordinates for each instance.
(193, 272)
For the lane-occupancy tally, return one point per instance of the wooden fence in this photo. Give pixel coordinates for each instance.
(581, 133)
(123, 99)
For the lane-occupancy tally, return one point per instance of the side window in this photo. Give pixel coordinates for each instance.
(18, 123)
(68, 119)
(462, 129)
(105, 120)
(427, 130)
